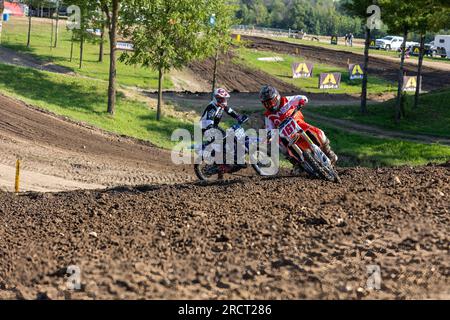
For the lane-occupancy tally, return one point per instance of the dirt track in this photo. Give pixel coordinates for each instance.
(238, 78)
(306, 239)
(56, 152)
(432, 78)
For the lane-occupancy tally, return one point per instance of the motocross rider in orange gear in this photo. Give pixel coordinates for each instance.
(278, 108)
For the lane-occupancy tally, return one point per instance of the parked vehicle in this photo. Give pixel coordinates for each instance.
(389, 43)
(429, 49)
(410, 45)
(442, 44)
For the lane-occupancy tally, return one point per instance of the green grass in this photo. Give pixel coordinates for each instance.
(431, 117)
(356, 49)
(14, 36)
(357, 149)
(85, 100)
(283, 71)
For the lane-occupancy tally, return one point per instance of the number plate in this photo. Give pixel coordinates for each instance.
(289, 130)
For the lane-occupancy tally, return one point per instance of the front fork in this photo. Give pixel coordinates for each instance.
(308, 144)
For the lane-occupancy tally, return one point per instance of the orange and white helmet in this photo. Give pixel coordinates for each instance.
(221, 97)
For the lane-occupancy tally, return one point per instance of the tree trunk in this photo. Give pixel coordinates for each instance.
(216, 58)
(29, 28)
(160, 93)
(398, 105)
(51, 32)
(57, 25)
(102, 41)
(365, 71)
(71, 47)
(112, 62)
(419, 70)
(81, 50)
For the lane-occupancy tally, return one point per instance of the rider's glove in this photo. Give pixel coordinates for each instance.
(303, 101)
(242, 119)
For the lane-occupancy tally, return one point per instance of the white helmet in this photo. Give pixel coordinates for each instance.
(221, 97)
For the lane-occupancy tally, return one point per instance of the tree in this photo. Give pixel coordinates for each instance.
(359, 9)
(87, 10)
(102, 25)
(31, 4)
(299, 15)
(111, 9)
(431, 17)
(261, 12)
(400, 17)
(277, 13)
(58, 4)
(169, 34)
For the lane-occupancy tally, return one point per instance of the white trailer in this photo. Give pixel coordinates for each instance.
(442, 45)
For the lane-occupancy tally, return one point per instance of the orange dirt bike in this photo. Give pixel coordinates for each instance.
(303, 146)
(259, 160)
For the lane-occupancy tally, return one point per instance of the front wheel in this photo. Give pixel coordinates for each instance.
(327, 173)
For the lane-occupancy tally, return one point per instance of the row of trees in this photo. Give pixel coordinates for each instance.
(319, 17)
(165, 34)
(401, 17)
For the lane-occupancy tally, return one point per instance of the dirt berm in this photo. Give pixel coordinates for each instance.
(250, 238)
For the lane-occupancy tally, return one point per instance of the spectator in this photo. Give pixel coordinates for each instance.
(350, 39)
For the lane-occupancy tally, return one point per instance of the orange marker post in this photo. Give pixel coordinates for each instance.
(17, 181)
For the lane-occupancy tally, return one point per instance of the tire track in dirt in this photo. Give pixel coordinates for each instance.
(56, 146)
(236, 239)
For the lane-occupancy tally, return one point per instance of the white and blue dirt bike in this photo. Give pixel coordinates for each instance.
(257, 157)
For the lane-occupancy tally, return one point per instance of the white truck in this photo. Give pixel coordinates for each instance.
(389, 43)
(392, 43)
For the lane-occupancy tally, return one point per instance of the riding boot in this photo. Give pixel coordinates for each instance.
(329, 153)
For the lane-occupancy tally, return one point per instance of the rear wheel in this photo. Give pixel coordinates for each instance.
(207, 172)
(328, 173)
